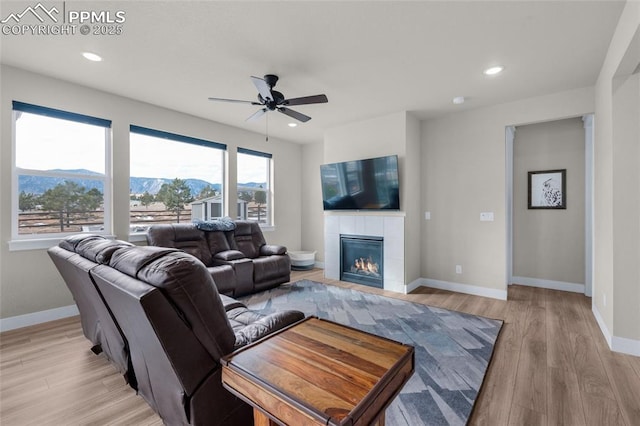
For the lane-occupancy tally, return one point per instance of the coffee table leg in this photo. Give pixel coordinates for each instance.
(259, 419)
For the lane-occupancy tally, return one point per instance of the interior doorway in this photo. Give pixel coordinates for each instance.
(547, 248)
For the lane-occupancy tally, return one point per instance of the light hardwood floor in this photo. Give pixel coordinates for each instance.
(551, 366)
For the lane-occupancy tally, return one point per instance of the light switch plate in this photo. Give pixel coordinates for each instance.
(486, 217)
(427, 215)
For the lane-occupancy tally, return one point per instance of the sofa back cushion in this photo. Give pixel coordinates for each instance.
(219, 241)
(182, 236)
(99, 250)
(248, 238)
(187, 285)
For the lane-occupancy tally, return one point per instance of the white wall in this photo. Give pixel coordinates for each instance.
(464, 163)
(550, 244)
(28, 280)
(626, 211)
(616, 294)
(412, 201)
(312, 213)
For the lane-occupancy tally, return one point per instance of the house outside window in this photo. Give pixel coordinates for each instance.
(61, 174)
(255, 192)
(173, 178)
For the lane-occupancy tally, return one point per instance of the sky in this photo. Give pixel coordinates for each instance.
(39, 149)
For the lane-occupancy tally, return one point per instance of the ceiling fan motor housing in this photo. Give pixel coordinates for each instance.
(278, 99)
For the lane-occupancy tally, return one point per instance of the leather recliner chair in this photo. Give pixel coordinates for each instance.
(74, 258)
(179, 327)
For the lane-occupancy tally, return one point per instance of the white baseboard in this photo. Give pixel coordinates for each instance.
(625, 346)
(601, 324)
(465, 288)
(413, 285)
(616, 344)
(550, 284)
(34, 318)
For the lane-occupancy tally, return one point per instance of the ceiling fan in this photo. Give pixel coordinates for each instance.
(272, 100)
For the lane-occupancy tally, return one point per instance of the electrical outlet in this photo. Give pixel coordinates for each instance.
(427, 215)
(458, 269)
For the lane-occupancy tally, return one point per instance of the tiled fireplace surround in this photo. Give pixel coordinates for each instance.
(391, 228)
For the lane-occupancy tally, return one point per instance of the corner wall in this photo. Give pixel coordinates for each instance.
(616, 294)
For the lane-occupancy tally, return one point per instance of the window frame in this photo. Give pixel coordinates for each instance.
(37, 241)
(270, 222)
(176, 137)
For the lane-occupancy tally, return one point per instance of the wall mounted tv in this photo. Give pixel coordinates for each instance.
(370, 184)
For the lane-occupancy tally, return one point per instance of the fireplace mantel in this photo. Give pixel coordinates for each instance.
(388, 226)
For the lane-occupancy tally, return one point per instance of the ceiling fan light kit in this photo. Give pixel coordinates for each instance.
(272, 100)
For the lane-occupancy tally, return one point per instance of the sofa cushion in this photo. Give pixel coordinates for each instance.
(99, 250)
(248, 238)
(218, 241)
(182, 236)
(228, 255)
(70, 242)
(188, 285)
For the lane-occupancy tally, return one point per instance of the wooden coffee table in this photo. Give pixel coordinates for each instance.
(318, 372)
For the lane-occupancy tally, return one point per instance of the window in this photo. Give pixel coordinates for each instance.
(173, 178)
(61, 179)
(254, 186)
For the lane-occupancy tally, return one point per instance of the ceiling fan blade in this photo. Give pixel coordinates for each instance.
(234, 100)
(263, 88)
(294, 114)
(259, 113)
(305, 100)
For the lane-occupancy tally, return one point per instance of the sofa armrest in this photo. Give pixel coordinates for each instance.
(230, 303)
(229, 255)
(271, 249)
(265, 326)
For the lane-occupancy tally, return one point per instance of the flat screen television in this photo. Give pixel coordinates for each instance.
(370, 184)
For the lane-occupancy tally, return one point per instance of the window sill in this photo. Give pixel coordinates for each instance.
(39, 243)
(138, 238)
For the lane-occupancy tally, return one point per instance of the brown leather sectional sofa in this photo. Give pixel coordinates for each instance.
(157, 314)
(239, 260)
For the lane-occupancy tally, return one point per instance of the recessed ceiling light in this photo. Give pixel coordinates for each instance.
(92, 56)
(293, 124)
(493, 70)
(458, 100)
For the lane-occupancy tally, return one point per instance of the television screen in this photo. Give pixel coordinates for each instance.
(370, 184)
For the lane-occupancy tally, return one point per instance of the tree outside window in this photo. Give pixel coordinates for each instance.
(254, 186)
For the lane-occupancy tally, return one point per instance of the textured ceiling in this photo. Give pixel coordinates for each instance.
(370, 58)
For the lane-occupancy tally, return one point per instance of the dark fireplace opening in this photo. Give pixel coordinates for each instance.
(361, 259)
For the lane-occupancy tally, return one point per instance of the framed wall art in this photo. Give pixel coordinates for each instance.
(548, 189)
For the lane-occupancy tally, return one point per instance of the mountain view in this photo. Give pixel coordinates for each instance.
(138, 185)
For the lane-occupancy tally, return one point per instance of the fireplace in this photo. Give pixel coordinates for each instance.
(361, 259)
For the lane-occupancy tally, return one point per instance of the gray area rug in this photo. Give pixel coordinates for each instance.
(452, 349)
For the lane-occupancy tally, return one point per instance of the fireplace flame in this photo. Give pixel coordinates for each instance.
(365, 266)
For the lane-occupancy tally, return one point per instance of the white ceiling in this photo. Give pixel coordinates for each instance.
(370, 58)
